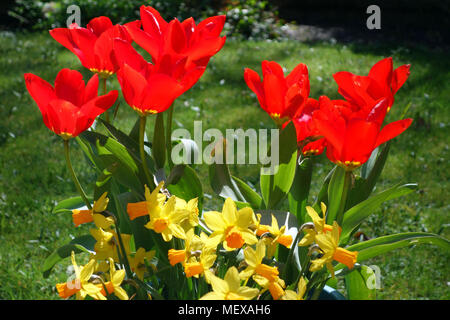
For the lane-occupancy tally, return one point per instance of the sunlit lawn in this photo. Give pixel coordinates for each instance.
(33, 176)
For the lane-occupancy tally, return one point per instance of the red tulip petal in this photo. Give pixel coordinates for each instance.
(399, 77)
(66, 114)
(298, 74)
(274, 92)
(124, 53)
(99, 25)
(378, 112)
(132, 84)
(152, 22)
(253, 81)
(392, 130)
(84, 42)
(294, 101)
(40, 90)
(191, 77)
(160, 92)
(148, 42)
(175, 37)
(188, 26)
(359, 140)
(271, 67)
(69, 86)
(382, 72)
(91, 90)
(211, 27)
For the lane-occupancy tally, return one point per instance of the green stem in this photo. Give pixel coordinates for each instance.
(74, 177)
(151, 184)
(345, 192)
(124, 253)
(104, 92)
(169, 136)
(290, 254)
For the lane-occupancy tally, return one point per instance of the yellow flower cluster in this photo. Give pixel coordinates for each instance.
(327, 239)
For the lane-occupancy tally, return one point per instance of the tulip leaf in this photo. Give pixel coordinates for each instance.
(336, 190)
(355, 215)
(159, 142)
(188, 186)
(221, 181)
(360, 283)
(81, 244)
(322, 196)
(298, 195)
(250, 195)
(276, 181)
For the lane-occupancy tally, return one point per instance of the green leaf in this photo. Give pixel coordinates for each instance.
(375, 172)
(81, 244)
(298, 195)
(70, 204)
(374, 247)
(323, 192)
(159, 142)
(275, 187)
(360, 284)
(336, 190)
(221, 181)
(188, 187)
(250, 195)
(354, 216)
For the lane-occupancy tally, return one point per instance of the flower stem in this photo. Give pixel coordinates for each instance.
(346, 189)
(74, 177)
(104, 92)
(151, 184)
(169, 136)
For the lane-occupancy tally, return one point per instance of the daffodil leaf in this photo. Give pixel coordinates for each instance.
(374, 247)
(360, 283)
(70, 204)
(81, 244)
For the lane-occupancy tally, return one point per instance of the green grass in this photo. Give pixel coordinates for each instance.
(33, 176)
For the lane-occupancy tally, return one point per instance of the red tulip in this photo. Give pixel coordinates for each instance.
(198, 43)
(382, 82)
(307, 131)
(94, 45)
(281, 97)
(352, 136)
(147, 88)
(70, 107)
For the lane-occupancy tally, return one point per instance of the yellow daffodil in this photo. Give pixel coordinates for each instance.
(230, 227)
(153, 202)
(193, 243)
(107, 244)
(137, 262)
(328, 243)
(299, 295)
(115, 280)
(319, 225)
(254, 259)
(81, 286)
(190, 209)
(85, 216)
(260, 228)
(275, 285)
(229, 288)
(166, 221)
(195, 267)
